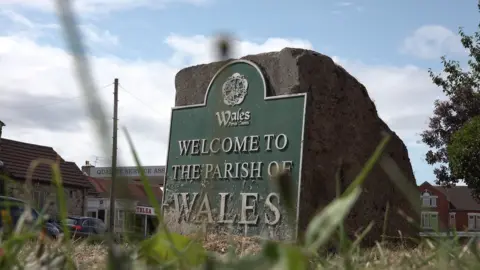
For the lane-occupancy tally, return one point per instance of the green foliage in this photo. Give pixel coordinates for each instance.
(323, 225)
(464, 153)
(461, 88)
(159, 249)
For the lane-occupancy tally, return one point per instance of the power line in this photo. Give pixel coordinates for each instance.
(50, 104)
(77, 97)
(141, 101)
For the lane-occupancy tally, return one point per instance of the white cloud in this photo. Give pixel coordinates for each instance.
(96, 6)
(403, 95)
(97, 36)
(343, 6)
(39, 87)
(431, 42)
(39, 104)
(17, 18)
(22, 26)
(198, 49)
(34, 74)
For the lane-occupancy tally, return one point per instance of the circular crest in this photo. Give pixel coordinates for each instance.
(234, 89)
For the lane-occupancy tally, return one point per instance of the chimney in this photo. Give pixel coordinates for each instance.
(86, 167)
(1, 127)
(2, 165)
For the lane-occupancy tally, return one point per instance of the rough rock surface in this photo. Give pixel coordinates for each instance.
(341, 124)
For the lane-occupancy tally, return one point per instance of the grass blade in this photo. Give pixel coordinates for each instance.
(323, 225)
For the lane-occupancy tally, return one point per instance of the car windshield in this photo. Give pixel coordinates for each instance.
(71, 221)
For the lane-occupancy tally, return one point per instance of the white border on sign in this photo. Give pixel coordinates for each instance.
(265, 97)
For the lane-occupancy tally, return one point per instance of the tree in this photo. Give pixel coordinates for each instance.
(461, 88)
(464, 154)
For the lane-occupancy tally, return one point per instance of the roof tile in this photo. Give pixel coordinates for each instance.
(137, 190)
(460, 197)
(18, 157)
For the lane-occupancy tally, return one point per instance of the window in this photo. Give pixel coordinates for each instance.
(471, 222)
(92, 214)
(430, 220)
(130, 220)
(71, 221)
(428, 200)
(120, 217)
(88, 223)
(39, 198)
(474, 221)
(452, 222)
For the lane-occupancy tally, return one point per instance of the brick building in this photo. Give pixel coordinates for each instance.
(16, 158)
(449, 208)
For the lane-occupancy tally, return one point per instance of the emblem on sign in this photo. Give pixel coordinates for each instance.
(234, 89)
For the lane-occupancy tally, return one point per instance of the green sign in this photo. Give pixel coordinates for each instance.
(222, 154)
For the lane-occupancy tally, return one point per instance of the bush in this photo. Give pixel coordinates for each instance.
(464, 153)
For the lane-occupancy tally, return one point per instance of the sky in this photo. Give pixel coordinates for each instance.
(387, 45)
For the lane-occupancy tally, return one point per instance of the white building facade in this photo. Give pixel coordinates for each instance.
(134, 215)
(129, 217)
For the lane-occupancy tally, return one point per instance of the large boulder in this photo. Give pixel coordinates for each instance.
(341, 126)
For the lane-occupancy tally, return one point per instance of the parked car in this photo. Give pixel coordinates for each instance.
(85, 226)
(57, 224)
(14, 208)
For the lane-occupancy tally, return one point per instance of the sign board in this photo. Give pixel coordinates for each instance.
(223, 153)
(130, 171)
(143, 210)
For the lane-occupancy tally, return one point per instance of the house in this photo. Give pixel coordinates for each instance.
(17, 157)
(448, 209)
(134, 212)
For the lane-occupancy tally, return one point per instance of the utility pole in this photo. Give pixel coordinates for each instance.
(114, 158)
(2, 165)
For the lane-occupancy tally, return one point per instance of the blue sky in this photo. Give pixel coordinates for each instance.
(387, 45)
(371, 31)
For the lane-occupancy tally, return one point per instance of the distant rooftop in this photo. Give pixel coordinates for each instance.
(18, 156)
(460, 197)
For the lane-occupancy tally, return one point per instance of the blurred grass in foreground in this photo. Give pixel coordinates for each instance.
(25, 248)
